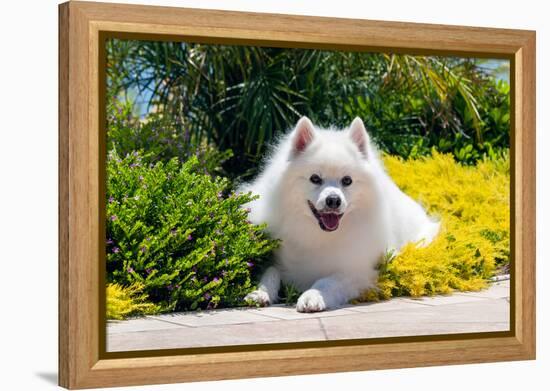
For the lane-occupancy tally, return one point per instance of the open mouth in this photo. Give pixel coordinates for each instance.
(328, 221)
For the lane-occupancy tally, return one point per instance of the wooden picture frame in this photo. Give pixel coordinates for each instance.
(83, 28)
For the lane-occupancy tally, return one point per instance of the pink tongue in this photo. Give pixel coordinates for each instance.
(330, 220)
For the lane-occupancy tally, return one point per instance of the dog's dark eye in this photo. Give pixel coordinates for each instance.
(316, 179)
(346, 181)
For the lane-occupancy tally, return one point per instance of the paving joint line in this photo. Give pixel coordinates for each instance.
(269, 316)
(171, 322)
(412, 301)
(322, 326)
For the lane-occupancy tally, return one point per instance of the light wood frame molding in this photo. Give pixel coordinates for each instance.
(83, 27)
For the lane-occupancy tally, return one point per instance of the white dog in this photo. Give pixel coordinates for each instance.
(325, 194)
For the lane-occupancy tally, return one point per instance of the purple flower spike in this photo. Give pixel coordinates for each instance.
(111, 199)
(249, 264)
(115, 250)
(216, 279)
(130, 270)
(110, 241)
(220, 195)
(207, 296)
(114, 217)
(143, 249)
(189, 237)
(148, 270)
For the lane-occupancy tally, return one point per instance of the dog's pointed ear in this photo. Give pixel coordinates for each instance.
(359, 136)
(303, 135)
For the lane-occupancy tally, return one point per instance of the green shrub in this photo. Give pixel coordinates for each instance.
(405, 122)
(161, 136)
(174, 229)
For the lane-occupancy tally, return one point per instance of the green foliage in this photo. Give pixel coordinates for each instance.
(423, 103)
(289, 294)
(123, 302)
(241, 97)
(160, 136)
(175, 230)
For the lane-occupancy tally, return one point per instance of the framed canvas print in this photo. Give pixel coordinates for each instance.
(247, 195)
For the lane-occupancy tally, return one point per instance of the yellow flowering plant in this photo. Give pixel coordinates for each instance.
(473, 204)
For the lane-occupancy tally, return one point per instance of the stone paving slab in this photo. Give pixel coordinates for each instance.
(214, 318)
(444, 300)
(387, 330)
(138, 324)
(464, 312)
(397, 304)
(282, 312)
(487, 315)
(227, 335)
(498, 290)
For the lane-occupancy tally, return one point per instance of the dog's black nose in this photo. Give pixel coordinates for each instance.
(333, 201)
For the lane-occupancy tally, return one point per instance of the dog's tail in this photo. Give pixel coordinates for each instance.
(430, 231)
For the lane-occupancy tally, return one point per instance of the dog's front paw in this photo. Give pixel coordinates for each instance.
(258, 297)
(311, 301)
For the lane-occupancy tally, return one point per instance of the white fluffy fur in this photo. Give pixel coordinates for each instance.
(331, 267)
